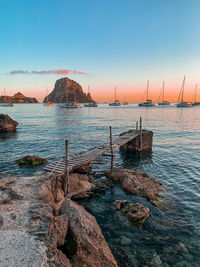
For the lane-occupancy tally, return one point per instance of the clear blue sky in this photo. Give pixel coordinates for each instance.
(118, 42)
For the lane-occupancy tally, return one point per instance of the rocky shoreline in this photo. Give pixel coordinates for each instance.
(43, 227)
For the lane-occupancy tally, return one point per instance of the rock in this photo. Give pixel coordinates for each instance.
(19, 249)
(58, 195)
(181, 247)
(138, 183)
(28, 224)
(7, 124)
(136, 213)
(120, 204)
(84, 169)
(125, 241)
(61, 225)
(79, 186)
(90, 247)
(32, 161)
(18, 98)
(64, 91)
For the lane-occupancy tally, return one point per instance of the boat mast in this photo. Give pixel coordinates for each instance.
(163, 89)
(147, 90)
(5, 98)
(195, 93)
(183, 86)
(74, 96)
(115, 92)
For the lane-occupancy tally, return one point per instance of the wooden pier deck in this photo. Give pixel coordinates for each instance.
(88, 156)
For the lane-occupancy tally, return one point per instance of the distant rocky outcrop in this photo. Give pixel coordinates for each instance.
(67, 90)
(18, 98)
(7, 124)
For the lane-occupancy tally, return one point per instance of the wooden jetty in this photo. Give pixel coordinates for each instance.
(134, 138)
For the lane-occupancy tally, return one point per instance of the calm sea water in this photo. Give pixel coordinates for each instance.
(169, 237)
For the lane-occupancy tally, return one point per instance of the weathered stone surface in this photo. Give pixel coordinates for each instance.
(138, 183)
(61, 224)
(7, 124)
(134, 145)
(91, 248)
(18, 98)
(27, 210)
(64, 92)
(20, 249)
(32, 161)
(79, 186)
(136, 213)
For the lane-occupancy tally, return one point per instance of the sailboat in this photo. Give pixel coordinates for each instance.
(195, 103)
(181, 103)
(92, 104)
(148, 102)
(161, 96)
(68, 104)
(116, 103)
(124, 103)
(48, 103)
(5, 103)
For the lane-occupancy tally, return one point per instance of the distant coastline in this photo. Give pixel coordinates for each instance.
(18, 98)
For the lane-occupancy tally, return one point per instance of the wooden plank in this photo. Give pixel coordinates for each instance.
(92, 154)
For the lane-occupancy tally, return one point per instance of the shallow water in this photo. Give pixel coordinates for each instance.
(174, 160)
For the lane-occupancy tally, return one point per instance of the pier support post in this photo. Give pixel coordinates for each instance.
(140, 133)
(111, 149)
(66, 184)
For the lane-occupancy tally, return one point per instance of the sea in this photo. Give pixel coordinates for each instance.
(171, 235)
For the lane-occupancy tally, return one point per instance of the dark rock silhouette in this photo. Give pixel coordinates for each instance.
(18, 98)
(67, 90)
(7, 124)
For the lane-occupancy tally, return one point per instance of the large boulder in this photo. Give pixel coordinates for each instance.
(67, 90)
(7, 124)
(138, 183)
(89, 246)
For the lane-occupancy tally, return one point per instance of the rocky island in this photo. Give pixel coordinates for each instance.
(66, 90)
(18, 98)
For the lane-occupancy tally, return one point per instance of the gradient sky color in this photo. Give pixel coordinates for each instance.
(119, 43)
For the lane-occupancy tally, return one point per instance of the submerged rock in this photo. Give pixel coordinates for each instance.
(7, 124)
(32, 161)
(89, 245)
(138, 183)
(136, 213)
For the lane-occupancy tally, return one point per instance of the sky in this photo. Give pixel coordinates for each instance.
(102, 44)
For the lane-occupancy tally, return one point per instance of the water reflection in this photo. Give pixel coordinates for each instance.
(6, 136)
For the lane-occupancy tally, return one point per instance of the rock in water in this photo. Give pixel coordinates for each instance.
(7, 124)
(64, 92)
(136, 213)
(138, 183)
(90, 247)
(32, 161)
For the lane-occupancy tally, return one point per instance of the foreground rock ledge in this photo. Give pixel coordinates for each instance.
(32, 235)
(138, 183)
